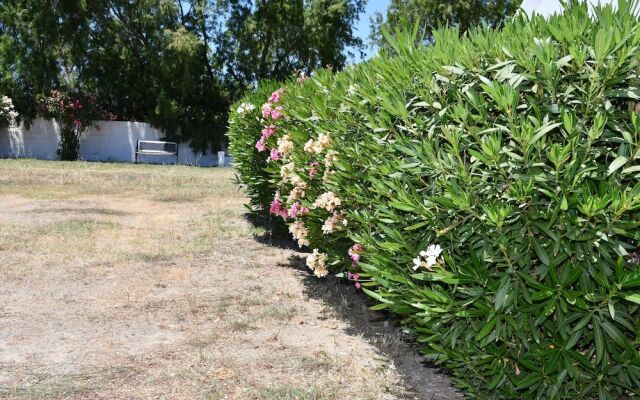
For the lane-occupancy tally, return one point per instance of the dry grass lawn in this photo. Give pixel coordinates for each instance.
(146, 282)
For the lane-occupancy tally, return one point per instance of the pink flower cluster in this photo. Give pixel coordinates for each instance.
(314, 169)
(354, 253)
(275, 96)
(274, 155)
(268, 110)
(266, 133)
(354, 277)
(297, 210)
(277, 208)
(274, 113)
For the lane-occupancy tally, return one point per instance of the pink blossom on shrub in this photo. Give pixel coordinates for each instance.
(266, 111)
(354, 253)
(260, 145)
(354, 277)
(278, 209)
(269, 131)
(274, 155)
(275, 96)
(297, 210)
(276, 113)
(314, 169)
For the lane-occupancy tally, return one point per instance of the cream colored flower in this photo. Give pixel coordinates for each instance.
(334, 223)
(324, 140)
(286, 170)
(298, 182)
(299, 232)
(319, 145)
(317, 262)
(329, 201)
(330, 158)
(285, 146)
(297, 193)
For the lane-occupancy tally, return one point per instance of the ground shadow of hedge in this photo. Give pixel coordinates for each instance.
(423, 380)
(275, 232)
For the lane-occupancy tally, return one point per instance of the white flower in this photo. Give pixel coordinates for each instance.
(245, 108)
(430, 256)
(352, 90)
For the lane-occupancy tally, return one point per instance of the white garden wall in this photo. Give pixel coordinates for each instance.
(113, 141)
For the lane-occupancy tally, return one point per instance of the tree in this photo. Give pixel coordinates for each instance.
(175, 63)
(272, 39)
(433, 13)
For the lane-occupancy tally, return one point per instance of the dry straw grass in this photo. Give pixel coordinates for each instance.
(140, 282)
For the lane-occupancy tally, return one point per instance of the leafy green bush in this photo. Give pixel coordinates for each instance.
(486, 189)
(244, 127)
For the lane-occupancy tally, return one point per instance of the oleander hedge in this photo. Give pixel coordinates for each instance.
(485, 189)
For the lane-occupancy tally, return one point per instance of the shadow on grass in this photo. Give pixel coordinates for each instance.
(275, 231)
(422, 380)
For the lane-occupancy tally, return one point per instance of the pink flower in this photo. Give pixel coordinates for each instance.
(354, 253)
(355, 259)
(76, 122)
(314, 169)
(266, 111)
(275, 96)
(277, 208)
(275, 155)
(351, 276)
(298, 210)
(260, 145)
(276, 113)
(358, 285)
(269, 131)
(355, 249)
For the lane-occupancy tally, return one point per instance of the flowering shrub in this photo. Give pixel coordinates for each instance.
(8, 113)
(245, 125)
(485, 189)
(75, 112)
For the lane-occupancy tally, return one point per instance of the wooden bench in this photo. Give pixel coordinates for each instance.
(156, 148)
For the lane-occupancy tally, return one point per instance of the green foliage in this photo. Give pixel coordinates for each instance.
(177, 64)
(516, 151)
(431, 14)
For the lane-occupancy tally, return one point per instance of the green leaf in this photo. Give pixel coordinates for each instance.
(503, 292)
(614, 333)
(635, 297)
(528, 381)
(599, 339)
(540, 251)
(617, 163)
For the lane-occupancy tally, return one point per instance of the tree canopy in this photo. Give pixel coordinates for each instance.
(430, 14)
(175, 63)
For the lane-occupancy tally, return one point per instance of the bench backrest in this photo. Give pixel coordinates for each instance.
(156, 145)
